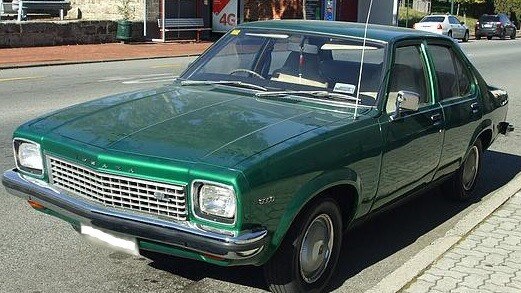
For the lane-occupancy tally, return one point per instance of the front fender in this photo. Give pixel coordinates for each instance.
(307, 193)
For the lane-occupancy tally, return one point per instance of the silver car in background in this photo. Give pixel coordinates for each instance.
(442, 24)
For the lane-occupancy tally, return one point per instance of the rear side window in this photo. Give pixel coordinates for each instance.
(451, 73)
(453, 20)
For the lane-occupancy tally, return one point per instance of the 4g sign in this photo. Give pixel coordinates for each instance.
(224, 15)
(229, 20)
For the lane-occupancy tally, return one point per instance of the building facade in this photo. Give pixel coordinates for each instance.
(222, 15)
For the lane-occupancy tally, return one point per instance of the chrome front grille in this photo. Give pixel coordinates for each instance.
(120, 192)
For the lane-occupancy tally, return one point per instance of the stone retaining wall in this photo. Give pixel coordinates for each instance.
(108, 9)
(30, 34)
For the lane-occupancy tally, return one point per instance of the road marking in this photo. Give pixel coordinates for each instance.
(151, 80)
(166, 66)
(20, 78)
(137, 79)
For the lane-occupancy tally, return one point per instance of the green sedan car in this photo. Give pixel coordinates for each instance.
(267, 148)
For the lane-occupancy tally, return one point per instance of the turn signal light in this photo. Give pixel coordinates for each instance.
(214, 257)
(35, 205)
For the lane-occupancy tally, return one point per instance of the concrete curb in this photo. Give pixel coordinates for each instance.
(58, 63)
(403, 275)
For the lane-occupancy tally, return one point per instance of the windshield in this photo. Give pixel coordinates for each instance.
(293, 62)
(433, 19)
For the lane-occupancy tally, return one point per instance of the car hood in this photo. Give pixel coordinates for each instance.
(197, 124)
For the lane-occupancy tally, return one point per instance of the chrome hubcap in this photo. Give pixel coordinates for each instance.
(470, 168)
(316, 248)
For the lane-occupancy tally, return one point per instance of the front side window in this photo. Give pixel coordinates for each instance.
(408, 74)
(452, 76)
(288, 61)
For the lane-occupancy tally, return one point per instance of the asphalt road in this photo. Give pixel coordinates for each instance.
(39, 253)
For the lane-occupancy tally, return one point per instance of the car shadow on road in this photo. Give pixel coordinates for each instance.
(390, 232)
(372, 241)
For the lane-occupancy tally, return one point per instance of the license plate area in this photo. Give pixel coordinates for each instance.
(122, 243)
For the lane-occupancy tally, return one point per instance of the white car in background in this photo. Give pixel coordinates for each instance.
(444, 24)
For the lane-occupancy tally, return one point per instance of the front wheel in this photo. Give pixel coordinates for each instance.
(489, 37)
(463, 182)
(306, 259)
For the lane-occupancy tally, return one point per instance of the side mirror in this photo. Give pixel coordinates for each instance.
(406, 100)
(462, 23)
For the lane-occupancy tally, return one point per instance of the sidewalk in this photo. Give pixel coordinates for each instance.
(42, 56)
(488, 259)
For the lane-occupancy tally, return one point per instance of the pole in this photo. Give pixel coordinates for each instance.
(144, 18)
(407, 13)
(20, 12)
(452, 7)
(163, 15)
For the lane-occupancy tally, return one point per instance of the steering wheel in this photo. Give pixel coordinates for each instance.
(247, 71)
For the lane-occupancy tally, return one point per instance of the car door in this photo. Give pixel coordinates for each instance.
(458, 94)
(509, 27)
(412, 141)
(457, 28)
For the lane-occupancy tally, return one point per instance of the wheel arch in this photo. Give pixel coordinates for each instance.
(343, 186)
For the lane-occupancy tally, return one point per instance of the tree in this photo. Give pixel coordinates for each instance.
(512, 8)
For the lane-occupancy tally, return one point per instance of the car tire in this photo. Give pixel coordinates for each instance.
(462, 183)
(307, 257)
(513, 35)
(489, 37)
(466, 37)
(478, 37)
(503, 34)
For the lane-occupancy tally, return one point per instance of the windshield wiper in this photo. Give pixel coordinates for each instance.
(224, 82)
(315, 94)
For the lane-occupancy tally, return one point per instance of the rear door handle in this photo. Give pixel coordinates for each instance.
(475, 107)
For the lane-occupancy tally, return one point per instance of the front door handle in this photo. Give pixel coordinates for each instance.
(436, 117)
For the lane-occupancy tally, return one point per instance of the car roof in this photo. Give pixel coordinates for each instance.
(339, 28)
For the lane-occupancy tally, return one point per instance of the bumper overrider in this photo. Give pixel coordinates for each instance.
(183, 236)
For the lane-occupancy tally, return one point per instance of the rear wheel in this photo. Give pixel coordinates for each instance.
(466, 37)
(489, 37)
(503, 34)
(478, 37)
(513, 35)
(463, 182)
(306, 259)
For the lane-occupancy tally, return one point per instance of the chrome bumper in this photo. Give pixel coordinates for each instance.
(182, 235)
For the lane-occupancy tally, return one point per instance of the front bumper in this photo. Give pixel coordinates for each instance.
(180, 235)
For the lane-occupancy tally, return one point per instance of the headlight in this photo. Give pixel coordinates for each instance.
(28, 156)
(214, 202)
